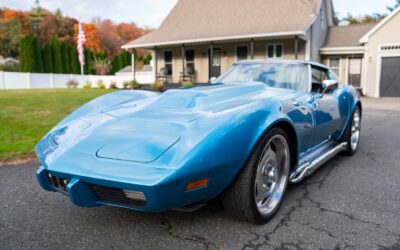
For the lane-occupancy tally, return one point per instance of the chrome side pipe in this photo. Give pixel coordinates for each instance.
(309, 167)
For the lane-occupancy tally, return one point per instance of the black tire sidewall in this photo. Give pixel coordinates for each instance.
(349, 150)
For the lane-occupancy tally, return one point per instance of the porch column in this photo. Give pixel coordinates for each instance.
(210, 63)
(133, 62)
(183, 61)
(252, 49)
(155, 62)
(296, 48)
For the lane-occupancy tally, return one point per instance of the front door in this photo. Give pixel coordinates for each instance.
(214, 60)
(355, 65)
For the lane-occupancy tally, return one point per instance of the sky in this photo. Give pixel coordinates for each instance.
(150, 13)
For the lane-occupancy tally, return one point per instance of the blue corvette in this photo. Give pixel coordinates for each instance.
(244, 137)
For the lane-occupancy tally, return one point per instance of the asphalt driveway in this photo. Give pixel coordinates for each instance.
(351, 203)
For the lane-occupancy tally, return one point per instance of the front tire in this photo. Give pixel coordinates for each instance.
(257, 193)
(353, 132)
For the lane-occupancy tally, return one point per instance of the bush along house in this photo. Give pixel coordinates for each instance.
(199, 40)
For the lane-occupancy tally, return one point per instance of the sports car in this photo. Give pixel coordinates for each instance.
(241, 138)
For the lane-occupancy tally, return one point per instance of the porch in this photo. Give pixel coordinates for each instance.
(199, 62)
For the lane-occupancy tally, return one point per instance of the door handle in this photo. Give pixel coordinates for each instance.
(297, 104)
(315, 105)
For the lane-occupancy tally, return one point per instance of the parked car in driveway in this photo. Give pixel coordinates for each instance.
(244, 137)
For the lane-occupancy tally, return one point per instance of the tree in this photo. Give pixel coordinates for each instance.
(129, 32)
(30, 56)
(88, 62)
(20, 17)
(10, 38)
(65, 58)
(109, 36)
(56, 26)
(93, 39)
(374, 18)
(57, 56)
(37, 56)
(48, 61)
(74, 62)
(397, 4)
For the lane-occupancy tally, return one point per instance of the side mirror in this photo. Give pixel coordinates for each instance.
(328, 85)
(213, 79)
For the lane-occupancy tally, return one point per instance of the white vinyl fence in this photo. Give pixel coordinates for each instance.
(13, 80)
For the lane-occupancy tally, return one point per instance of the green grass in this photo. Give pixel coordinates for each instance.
(27, 115)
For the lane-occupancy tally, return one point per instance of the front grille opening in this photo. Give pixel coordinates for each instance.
(58, 183)
(118, 196)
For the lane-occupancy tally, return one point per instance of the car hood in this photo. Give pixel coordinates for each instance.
(143, 131)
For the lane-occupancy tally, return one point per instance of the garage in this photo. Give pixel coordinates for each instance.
(390, 77)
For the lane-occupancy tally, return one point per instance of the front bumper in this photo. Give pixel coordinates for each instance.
(92, 192)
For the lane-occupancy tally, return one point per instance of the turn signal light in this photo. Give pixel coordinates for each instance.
(197, 184)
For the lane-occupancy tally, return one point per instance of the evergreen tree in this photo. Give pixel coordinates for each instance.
(37, 56)
(88, 62)
(57, 56)
(48, 59)
(74, 62)
(30, 56)
(65, 58)
(23, 57)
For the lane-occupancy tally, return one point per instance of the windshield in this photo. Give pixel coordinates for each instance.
(275, 75)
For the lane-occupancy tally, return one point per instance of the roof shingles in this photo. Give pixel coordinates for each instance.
(346, 36)
(194, 20)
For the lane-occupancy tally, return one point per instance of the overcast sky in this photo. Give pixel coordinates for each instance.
(150, 13)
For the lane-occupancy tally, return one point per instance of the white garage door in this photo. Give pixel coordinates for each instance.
(390, 77)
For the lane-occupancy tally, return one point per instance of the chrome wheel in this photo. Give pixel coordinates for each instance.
(271, 177)
(355, 130)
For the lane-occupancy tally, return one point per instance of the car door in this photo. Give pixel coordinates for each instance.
(325, 107)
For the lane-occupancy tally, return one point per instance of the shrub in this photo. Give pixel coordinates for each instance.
(101, 66)
(101, 85)
(10, 67)
(113, 85)
(158, 86)
(87, 85)
(72, 84)
(186, 85)
(132, 85)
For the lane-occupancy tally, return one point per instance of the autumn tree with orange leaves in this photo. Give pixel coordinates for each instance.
(93, 38)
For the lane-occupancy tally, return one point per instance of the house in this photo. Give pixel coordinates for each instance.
(367, 56)
(202, 39)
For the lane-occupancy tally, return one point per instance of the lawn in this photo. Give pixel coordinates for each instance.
(27, 115)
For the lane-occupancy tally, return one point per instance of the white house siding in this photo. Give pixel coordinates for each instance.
(388, 34)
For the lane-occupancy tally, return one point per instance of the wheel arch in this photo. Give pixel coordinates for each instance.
(288, 127)
(293, 143)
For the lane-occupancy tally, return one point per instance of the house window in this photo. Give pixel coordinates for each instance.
(275, 51)
(334, 64)
(190, 60)
(242, 53)
(168, 62)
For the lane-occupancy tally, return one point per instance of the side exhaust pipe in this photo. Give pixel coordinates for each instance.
(310, 167)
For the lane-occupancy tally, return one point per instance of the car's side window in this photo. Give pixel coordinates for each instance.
(319, 75)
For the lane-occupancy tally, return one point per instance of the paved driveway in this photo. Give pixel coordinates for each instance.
(351, 203)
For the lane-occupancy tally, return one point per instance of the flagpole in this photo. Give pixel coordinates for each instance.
(81, 50)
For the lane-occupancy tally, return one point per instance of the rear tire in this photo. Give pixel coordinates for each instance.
(353, 132)
(257, 193)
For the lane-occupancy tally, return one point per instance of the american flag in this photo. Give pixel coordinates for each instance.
(81, 42)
